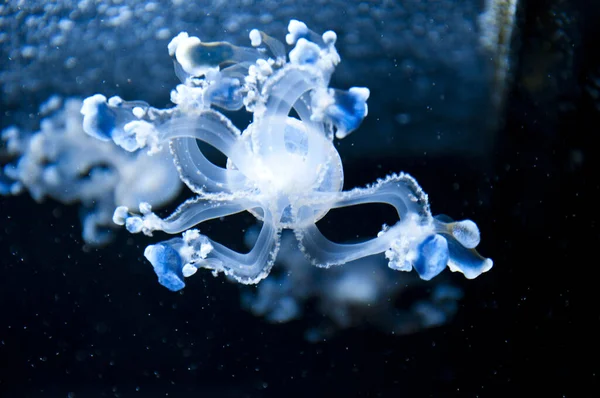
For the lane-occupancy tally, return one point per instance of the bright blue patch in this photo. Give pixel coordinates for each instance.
(433, 256)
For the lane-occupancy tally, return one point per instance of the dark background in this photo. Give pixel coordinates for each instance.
(95, 323)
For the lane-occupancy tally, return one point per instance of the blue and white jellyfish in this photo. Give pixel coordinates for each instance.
(63, 163)
(283, 167)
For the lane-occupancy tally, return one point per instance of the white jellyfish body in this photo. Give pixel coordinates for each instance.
(283, 168)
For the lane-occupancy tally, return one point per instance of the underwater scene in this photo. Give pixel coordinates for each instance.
(320, 198)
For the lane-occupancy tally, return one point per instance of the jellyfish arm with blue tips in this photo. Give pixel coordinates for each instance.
(283, 168)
